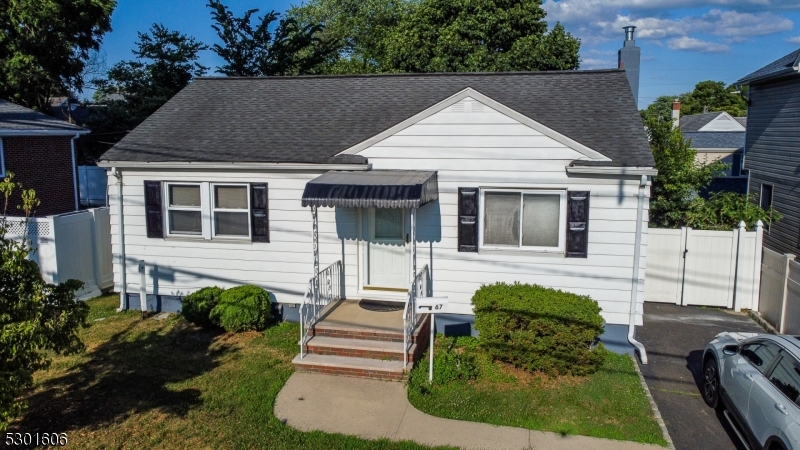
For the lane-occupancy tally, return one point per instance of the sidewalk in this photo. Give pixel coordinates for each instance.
(378, 409)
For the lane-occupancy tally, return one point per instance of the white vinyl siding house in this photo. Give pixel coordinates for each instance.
(421, 185)
(469, 146)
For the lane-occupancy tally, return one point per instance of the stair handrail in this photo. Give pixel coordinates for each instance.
(420, 285)
(330, 288)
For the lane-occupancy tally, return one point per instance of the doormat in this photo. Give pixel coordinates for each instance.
(380, 306)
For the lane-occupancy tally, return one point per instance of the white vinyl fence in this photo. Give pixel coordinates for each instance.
(704, 268)
(74, 245)
(780, 291)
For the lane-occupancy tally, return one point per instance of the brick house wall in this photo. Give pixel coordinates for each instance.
(42, 163)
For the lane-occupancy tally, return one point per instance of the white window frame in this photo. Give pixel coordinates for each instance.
(2, 159)
(213, 209)
(168, 208)
(562, 232)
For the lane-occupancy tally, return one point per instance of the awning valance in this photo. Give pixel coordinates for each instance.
(372, 189)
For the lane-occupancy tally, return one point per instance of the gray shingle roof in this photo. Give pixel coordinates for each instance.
(696, 121)
(776, 68)
(311, 119)
(716, 139)
(19, 119)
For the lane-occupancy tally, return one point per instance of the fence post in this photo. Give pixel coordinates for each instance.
(787, 258)
(758, 255)
(741, 236)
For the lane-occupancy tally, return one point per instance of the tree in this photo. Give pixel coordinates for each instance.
(45, 44)
(359, 27)
(166, 62)
(674, 200)
(707, 96)
(710, 96)
(248, 50)
(37, 319)
(478, 35)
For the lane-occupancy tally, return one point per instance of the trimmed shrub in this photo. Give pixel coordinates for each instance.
(243, 308)
(197, 306)
(538, 329)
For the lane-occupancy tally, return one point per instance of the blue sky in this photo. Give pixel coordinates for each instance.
(683, 41)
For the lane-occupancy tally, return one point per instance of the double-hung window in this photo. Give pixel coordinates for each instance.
(211, 210)
(184, 209)
(523, 219)
(231, 213)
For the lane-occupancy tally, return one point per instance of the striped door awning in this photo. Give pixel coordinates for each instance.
(372, 189)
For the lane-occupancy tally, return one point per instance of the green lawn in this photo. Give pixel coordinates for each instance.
(609, 403)
(167, 384)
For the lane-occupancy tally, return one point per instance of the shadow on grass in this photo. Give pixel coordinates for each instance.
(128, 374)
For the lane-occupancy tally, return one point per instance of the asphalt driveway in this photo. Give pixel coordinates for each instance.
(674, 337)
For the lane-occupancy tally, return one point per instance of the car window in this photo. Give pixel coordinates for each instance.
(760, 354)
(786, 377)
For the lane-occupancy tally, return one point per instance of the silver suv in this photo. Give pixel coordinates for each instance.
(756, 378)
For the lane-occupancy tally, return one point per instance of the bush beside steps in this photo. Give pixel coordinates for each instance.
(539, 329)
(240, 308)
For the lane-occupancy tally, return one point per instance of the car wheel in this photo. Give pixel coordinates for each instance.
(710, 383)
(776, 446)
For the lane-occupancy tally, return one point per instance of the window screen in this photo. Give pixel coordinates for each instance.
(501, 218)
(388, 223)
(187, 196)
(231, 214)
(540, 220)
(184, 215)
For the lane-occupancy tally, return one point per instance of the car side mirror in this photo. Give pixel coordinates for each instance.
(730, 349)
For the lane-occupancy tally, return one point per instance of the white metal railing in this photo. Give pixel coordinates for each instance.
(420, 287)
(329, 288)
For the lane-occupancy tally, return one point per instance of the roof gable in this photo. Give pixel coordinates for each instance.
(474, 96)
(723, 122)
(312, 119)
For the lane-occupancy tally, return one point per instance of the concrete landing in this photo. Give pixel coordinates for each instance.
(377, 409)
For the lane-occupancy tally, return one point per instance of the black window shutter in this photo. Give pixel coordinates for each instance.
(468, 219)
(577, 224)
(259, 211)
(153, 208)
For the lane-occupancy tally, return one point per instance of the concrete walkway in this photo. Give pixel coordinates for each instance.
(379, 409)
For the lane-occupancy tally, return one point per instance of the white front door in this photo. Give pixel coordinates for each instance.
(386, 260)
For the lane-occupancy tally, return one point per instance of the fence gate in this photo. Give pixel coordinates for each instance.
(703, 268)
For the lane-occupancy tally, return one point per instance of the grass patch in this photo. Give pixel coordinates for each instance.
(169, 384)
(607, 404)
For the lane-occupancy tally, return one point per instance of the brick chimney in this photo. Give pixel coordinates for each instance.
(676, 113)
(629, 58)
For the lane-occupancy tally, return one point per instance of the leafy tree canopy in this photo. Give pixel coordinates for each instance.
(674, 198)
(441, 35)
(707, 96)
(37, 319)
(44, 46)
(166, 61)
(359, 27)
(250, 49)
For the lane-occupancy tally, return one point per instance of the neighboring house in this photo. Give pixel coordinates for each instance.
(772, 149)
(39, 150)
(717, 136)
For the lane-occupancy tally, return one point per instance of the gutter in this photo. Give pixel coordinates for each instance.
(75, 171)
(600, 170)
(22, 133)
(232, 165)
(123, 295)
(637, 251)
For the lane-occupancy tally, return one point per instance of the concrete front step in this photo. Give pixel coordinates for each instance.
(350, 366)
(358, 348)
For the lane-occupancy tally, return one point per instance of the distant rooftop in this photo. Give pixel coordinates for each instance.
(20, 120)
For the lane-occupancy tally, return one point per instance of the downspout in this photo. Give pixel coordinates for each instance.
(637, 250)
(123, 295)
(74, 171)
